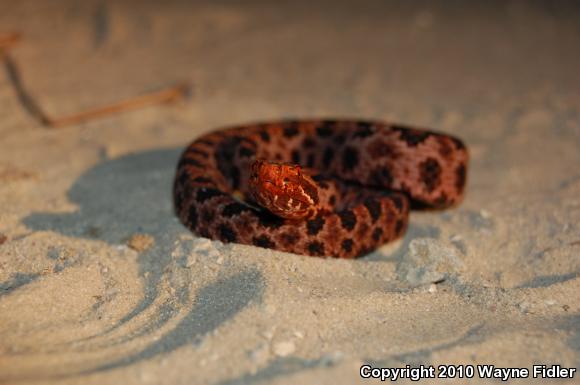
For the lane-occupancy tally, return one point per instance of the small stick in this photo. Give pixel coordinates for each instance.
(9, 39)
(167, 95)
(29, 103)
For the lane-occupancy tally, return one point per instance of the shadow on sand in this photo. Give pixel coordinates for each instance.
(132, 194)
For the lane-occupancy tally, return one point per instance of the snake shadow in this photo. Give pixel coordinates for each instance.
(117, 198)
(120, 197)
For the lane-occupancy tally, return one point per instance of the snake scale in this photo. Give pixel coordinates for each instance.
(337, 188)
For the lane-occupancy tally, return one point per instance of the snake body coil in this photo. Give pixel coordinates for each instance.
(367, 172)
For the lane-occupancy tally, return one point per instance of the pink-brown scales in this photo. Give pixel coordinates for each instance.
(327, 188)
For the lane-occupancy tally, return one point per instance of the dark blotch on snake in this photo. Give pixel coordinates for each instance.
(349, 158)
(235, 177)
(381, 149)
(445, 149)
(347, 245)
(398, 202)
(290, 132)
(207, 216)
(316, 248)
(310, 160)
(227, 233)
(192, 217)
(295, 156)
(226, 152)
(441, 200)
(204, 194)
(347, 219)
(364, 130)
(204, 232)
(265, 136)
(322, 181)
(377, 233)
(374, 208)
(319, 177)
(270, 220)
(430, 174)
(461, 176)
(246, 152)
(332, 200)
(324, 131)
(314, 226)
(399, 226)
(410, 136)
(381, 176)
(327, 157)
(234, 209)
(289, 238)
(309, 143)
(339, 139)
(263, 241)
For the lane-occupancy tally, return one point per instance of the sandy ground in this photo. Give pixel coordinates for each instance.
(100, 283)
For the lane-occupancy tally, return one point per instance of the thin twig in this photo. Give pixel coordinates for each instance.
(166, 95)
(27, 101)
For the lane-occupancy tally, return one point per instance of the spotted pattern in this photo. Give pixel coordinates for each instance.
(368, 174)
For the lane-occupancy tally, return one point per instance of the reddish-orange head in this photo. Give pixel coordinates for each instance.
(283, 189)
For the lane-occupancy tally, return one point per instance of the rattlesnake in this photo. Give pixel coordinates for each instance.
(368, 174)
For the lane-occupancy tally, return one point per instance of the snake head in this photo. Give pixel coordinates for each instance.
(283, 189)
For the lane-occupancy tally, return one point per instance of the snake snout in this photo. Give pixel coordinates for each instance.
(283, 189)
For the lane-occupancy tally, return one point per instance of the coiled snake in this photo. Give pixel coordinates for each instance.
(353, 194)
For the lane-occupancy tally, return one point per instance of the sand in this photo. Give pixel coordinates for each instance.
(101, 284)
